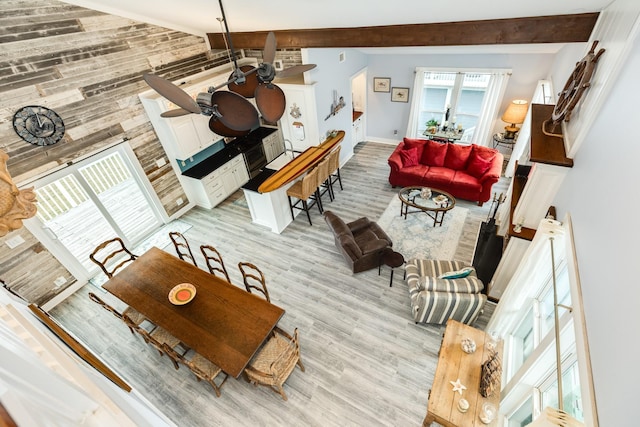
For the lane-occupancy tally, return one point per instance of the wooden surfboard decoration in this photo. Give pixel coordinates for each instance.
(300, 164)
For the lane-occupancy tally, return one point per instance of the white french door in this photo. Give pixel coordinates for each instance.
(89, 202)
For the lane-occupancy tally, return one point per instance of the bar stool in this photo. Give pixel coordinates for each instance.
(305, 189)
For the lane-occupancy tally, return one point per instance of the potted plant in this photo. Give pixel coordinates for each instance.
(432, 126)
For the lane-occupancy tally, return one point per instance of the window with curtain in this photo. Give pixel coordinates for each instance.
(466, 99)
(452, 98)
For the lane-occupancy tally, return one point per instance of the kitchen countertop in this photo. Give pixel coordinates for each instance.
(255, 182)
(230, 150)
(269, 170)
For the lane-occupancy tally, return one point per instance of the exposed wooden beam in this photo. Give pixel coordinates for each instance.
(540, 29)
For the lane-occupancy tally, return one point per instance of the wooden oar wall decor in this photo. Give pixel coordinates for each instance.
(300, 164)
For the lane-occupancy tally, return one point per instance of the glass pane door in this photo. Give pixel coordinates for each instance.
(90, 202)
(71, 216)
(120, 195)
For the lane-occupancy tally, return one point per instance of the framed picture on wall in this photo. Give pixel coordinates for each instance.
(400, 94)
(381, 84)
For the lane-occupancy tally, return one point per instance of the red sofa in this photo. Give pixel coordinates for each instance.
(465, 171)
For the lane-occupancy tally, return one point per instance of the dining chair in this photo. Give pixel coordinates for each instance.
(112, 255)
(202, 368)
(135, 318)
(182, 247)
(95, 298)
(275, 361)
(254, 279)
(157, 338)
(334, 169)
(305, 190)
(214, 261)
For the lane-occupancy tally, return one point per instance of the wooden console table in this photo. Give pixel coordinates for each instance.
(453, 364)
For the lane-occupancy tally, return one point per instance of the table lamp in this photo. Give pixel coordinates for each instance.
(515, 114)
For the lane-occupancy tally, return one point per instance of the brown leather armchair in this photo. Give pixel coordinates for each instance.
(360, 242)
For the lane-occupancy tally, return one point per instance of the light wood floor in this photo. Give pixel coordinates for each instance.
(367, 363)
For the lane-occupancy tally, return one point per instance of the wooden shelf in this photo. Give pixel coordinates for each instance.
(519, 181)
(544, 148)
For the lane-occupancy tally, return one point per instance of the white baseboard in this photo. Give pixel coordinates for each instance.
(383, 140)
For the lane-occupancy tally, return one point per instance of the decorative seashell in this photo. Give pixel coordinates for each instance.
(468, 345)
(463, 405)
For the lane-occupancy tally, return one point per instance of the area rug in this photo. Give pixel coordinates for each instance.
(416, 237)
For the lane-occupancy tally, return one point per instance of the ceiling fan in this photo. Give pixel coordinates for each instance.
(231, 113)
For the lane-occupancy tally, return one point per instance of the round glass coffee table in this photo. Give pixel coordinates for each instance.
(435, 206)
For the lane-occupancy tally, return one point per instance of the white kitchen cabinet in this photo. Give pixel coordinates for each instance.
(358, 130)
(237, 175)
(190, 136)
(219, 184)
(273, 145)
(181, 137)
(184, 136)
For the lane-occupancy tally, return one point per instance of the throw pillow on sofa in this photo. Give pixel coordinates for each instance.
(434, 153)
(414, 143)
(478, 166)
(457, 156)
(480, 161)
(457, 274)
(409, 157)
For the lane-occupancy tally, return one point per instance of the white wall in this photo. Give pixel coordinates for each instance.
(385, 116)
(331, 74)
(602, 197)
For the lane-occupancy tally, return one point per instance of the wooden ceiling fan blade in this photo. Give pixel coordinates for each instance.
(175, 113)
(248, 88)
(296, 69)
(172, 92)
(269, 53)
(235, 111)
(271, 102)
(219, 128)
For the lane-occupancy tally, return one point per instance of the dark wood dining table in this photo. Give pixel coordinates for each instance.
(224, 323)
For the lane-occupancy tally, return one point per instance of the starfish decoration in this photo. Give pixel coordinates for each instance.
(457, 386)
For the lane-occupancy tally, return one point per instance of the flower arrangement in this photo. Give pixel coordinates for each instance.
(432, 125)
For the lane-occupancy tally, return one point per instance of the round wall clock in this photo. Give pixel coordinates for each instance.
(38, 125)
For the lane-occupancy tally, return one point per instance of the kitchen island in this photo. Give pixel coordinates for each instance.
(266, 193)
(269, 209)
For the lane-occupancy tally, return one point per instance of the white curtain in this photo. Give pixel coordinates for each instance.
(415, 102)
(492, 100)
(490, 104)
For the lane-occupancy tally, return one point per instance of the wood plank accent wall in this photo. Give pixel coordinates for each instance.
(88, 67)
(539, 29)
